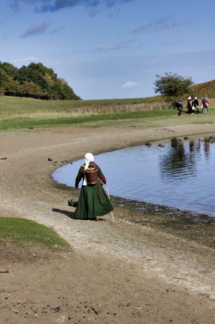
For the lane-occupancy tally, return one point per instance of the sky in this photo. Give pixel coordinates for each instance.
(109, 49)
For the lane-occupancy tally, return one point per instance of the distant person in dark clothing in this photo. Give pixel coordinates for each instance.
(196, 104)
(193, 106)
(189, 106)
(179, 106)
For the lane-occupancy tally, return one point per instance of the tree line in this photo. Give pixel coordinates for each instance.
(35, 81)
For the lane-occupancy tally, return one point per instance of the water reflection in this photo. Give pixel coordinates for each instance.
(178, 160)
(207, 149)
(179, 175)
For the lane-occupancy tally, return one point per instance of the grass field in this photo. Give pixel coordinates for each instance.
(29, 233)
(24, 114)
(150, 118)
(23, 122)
(13, 105)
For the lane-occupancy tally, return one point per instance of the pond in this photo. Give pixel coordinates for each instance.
(180, 175)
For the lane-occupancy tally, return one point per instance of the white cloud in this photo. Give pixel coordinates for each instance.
(129, 85)
(31, 58)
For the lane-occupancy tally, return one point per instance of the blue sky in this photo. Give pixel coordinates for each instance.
(111, 48)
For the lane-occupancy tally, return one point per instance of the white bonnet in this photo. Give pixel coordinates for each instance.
(89, 157)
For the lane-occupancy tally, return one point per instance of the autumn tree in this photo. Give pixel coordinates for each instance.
(11, 86)
(26, 74)
(9, 69)
(34, 80)
(43, 70)
(48, 78)
(172, 86)
(3, 77)
(62, 81)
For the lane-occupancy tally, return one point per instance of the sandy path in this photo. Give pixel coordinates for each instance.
(155, 260)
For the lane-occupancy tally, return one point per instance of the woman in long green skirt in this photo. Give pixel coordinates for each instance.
(93, 200)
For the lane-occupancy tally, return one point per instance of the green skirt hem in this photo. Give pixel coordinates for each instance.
(90, 205)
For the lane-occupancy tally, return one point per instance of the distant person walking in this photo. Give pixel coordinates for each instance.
(189, 106)
(179, 107)
(205, 104)
(196, 104)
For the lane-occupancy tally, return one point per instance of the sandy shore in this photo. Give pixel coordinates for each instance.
(122, 273)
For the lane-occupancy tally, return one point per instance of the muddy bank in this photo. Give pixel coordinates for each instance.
(190, 225)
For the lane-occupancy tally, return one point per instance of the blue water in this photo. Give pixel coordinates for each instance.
(181, 177)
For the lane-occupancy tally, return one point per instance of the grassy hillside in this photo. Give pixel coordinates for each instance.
(24, 113)
(200, 89)
(25, 105)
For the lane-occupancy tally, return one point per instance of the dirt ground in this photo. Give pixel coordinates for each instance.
(122, 273)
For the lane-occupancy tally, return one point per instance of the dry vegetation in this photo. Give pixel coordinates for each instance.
(208, 88)
(16, 107)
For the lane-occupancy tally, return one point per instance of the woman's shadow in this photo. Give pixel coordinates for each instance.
(65, 212)
(71, 214)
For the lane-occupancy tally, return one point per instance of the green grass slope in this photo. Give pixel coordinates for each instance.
(147, 118)
(29, 233)
(13, 105)
(23, 122)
